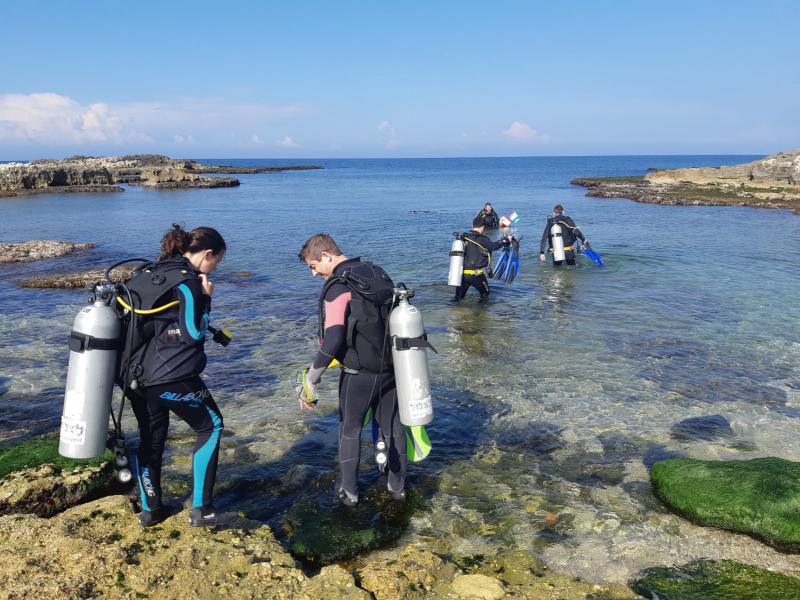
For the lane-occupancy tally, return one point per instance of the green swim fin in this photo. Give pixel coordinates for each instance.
(418, 445)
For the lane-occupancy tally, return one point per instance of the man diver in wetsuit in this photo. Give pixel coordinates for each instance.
(477, 259)
(367, 376)
(490, 218)
(569, 233)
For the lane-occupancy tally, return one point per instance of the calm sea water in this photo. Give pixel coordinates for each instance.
(552, 399)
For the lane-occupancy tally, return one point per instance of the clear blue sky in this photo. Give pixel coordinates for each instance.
(374, 79)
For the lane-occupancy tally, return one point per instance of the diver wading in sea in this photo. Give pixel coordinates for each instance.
(560, 234)
(162, 367)
(368, 328)
(473, 266)
(490, 218)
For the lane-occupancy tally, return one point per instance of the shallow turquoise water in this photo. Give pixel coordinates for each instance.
(552, 399)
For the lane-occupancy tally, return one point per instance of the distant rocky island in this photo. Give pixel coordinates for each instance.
(771, 182)
(103, 173)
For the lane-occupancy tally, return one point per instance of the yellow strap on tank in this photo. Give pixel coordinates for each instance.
(151, 311)
(566, 249)
(474, 271)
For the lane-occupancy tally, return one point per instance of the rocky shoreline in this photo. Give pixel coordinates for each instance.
(772, 182)
(101, 174)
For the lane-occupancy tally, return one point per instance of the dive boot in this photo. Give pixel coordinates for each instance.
(209, 517)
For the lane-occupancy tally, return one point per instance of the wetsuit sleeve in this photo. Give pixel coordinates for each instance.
(492, 246)
(193, 310)
(545, 237)
(336, 303)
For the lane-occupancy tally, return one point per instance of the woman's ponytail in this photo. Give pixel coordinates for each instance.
(177, 242)
(174, 243)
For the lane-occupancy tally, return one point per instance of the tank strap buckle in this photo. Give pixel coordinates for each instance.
(80, 342)
(417, 342)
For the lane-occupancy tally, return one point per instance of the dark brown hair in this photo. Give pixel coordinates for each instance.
(316, 245)
(177, 242)
(558, 208)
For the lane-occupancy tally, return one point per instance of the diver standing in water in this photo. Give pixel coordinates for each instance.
(165, 365)
(560, 234)
(354, 308)
(477, 263)
(490, 218)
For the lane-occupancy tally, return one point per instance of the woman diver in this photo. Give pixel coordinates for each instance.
(166, 368)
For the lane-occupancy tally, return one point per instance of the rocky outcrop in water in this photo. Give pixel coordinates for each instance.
(80, 280)
(37, 250)
(772, 182)
(100, 174)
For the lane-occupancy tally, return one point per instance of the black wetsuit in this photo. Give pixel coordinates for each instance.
(360, 388)
(490, 219)
(170, 381)
(477, 252)
(569, 233)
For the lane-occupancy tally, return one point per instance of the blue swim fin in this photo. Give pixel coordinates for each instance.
(594, 256)
(498, 272)
(513, 262)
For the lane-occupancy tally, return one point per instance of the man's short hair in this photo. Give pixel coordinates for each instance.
(558, 207)
(316, 245)
(478, 221)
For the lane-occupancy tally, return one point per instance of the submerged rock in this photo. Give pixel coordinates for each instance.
(757, 497)
(772, 182)
(711, 580)
(37, 250)
(320, 532)
(704, 429)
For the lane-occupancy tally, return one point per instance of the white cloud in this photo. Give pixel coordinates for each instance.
(521, 132)
(388, 136)
(183, 139)
(58, 120)
(50, 119)
(287, 142)
(256, 140)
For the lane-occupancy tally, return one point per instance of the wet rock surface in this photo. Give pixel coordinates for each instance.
(757, 497)
(772, 182)
(38, 250)
(716, 580)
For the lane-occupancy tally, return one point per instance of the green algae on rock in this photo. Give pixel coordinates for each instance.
(716, 580)
(320, 534)
(35, 479)
(40, 450)
(759, 497)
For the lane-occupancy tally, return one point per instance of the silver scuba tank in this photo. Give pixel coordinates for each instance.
(558, 242)
(410, 358)
(93, 345)
(456, 261)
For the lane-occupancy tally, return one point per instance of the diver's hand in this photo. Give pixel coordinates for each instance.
(542, 257)
(208, 287)
(306, 391)
(586, 243)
